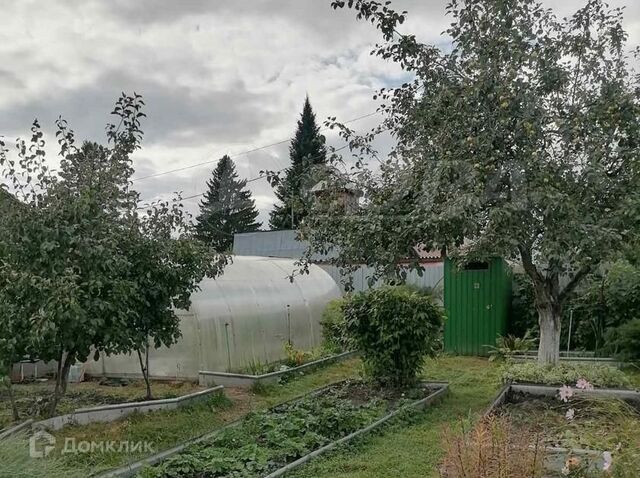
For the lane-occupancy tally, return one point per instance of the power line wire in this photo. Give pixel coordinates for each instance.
(246, 181)
(260, 148)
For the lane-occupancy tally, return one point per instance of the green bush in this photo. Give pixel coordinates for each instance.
(395, 328)
(334, 329)
(624, 341)
(507, 346)
(565, 374)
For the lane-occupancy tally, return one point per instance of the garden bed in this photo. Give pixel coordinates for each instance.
(271, 442)
(32, 398)
(580, 430)
(116, 411)
(230, 379)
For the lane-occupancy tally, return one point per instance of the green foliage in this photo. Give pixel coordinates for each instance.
(519, 139)
(308, 155)
(608, 299)
(605, 300)
(509, 345)
(296, 357)
(334, 327)
(265, 441)
(624, 341)
(81, 270)
(61, 251)
(227, 208)
(564, 373)
(396, 329)
(523, 316)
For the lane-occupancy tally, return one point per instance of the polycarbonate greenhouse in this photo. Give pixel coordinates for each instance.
(246, 315)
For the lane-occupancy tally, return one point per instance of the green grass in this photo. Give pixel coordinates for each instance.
(163, 429)
(633, 373)
(414, 449)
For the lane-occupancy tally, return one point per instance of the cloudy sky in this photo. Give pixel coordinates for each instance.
(225, 76)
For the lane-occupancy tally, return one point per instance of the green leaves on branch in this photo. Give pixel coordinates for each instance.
(518, 141)
(395, 328)
(81, 270)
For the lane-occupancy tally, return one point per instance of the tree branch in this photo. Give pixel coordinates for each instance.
(575, 280)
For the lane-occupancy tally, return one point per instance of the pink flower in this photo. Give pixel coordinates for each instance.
(565, 393)
(608, 459)
(582, 384)
(570, 414)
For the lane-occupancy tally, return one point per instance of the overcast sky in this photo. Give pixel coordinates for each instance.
(217, 76)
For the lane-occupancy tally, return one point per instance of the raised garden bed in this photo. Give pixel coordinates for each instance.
(116, 411)
(230, 379)
(581, 430)
(574, 359)
(32, 398)
(273, 442)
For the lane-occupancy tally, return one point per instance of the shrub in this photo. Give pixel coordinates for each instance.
(492, 449)
(395, 329)
(334, 329)
(509, 345)
(564, 373)
(624, 341)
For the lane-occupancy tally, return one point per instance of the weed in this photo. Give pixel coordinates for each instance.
(492, 449)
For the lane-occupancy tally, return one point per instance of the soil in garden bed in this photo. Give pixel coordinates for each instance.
(33, 398)
(268, 440)
(603, 424)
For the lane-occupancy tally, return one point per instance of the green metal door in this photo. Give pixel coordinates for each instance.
(476, 298)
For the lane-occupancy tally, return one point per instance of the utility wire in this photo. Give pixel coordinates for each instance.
(260, 148)
(246, 181)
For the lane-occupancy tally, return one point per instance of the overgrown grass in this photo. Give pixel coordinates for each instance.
(603, 424)
(162, 429)
(565, 373)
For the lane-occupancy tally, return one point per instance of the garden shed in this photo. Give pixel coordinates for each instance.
(477, 298)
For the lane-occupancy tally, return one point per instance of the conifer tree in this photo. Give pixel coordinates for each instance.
(227, 208)
(307, 152)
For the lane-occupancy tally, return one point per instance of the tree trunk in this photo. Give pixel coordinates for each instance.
(144, 366)
(549, 321)
(62, 378)
(7, 382)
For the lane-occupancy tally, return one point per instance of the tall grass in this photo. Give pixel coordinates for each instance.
(492, 449)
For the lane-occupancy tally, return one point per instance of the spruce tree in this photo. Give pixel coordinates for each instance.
(307, 152)
(227, 208)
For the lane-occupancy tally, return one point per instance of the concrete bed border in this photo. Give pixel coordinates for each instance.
(556, 457)
(113, 412)
(11, 431)
(229, 379)
(575, 360)
(127, 471)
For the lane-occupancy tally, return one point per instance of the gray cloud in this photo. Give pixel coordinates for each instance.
(218, 76)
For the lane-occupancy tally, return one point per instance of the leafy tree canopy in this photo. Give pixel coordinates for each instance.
(521, 141)
(80, 268)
